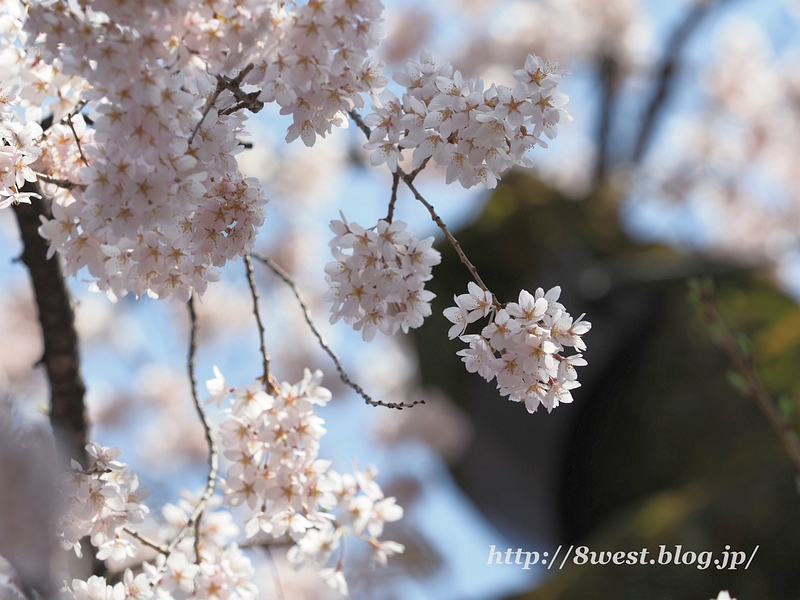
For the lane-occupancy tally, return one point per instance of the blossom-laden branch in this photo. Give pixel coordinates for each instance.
(739, 354)
(408, 179)
(244, 100)
(280, 272)
(267, 378)
(210, 101)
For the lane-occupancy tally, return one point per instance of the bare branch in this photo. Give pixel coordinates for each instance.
(274, 569)
(610, 78)
(213, 457)
(207, 108)
(249, 101)
(393, 199)
(409, 181)
(62, 183)
(47, 122)
(267, 377)
(359, 122)
(724, 338)
(323, 344)
(666, 73)
(245, 100)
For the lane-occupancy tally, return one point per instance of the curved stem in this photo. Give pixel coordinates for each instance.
(324, 345)
(251, 280)
(213, 458)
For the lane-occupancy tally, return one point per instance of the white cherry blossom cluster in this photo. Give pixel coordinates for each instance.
(104, 502)
(224, 572)
(163, 200)
(475, 133)
(318, 64)
(17, 150)
(272, 441)
(211, 566)
(99, 502)
(522, 346)
(380, 284)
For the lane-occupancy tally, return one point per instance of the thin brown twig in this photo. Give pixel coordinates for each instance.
(77, 140)
(393, 199)
(743, 363)
(251, 280)
(263, 543)
(245, 100)
(450, 237)
(47, 122)
(207, 108)
(62, 183)
(340, 564)
(360, 122)
(145, 540)
(213, 458)
(323, 344)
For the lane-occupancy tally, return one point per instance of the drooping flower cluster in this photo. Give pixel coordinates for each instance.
(475, 133)
(100, 501)
(380, 284)
(17, 150)
(522, 346)
(272, 442)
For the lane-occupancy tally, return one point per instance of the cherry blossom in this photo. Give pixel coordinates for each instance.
(275, 474)
(379, 284)
(522, 345)
(475, 133)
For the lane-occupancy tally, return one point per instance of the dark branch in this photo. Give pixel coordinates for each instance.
(409, 181)
(609, 75)
(62, 183)
(61, 356)
(251, 280)
(213, 458)
(393, 199)
(666, 74)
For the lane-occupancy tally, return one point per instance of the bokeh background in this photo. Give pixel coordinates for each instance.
(681, 162)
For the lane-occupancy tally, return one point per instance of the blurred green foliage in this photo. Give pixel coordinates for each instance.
(658, 447)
